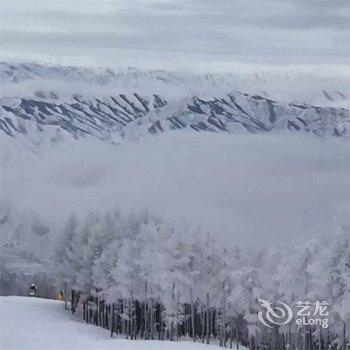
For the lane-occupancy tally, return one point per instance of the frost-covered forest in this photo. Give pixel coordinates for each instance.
(145, 278)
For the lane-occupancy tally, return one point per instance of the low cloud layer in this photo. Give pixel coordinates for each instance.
(245, 188)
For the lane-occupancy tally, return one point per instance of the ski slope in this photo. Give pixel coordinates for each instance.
(41, 324)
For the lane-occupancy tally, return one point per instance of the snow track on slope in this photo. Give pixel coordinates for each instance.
(42, 324)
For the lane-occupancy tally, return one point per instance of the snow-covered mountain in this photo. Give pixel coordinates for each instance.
(294, 86)
(110, 104)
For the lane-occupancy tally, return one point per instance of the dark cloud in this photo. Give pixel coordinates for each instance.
(257, 31)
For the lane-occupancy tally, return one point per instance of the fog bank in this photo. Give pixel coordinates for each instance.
(245, 188)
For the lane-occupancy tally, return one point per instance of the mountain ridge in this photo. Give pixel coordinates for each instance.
(110, 104)
(106, 117)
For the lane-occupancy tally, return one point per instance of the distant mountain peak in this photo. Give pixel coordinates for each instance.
(110, 104)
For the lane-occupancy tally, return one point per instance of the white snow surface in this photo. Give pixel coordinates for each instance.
(42, 324)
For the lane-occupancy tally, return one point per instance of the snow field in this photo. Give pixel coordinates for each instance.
(42, 324)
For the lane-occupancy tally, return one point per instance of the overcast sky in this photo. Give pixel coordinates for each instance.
(205, 35)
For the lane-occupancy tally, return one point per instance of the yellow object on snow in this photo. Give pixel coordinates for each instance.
(60, 296)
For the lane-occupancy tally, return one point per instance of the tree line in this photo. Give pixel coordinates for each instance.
(141, 277)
